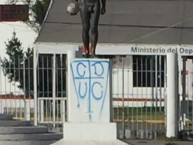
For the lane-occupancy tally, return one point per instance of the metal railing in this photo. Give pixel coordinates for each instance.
(186, 95)
(48, 114)
(16, 88)
(138, 92)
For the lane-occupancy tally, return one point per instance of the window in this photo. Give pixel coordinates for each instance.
(14, 12)
(148, 71)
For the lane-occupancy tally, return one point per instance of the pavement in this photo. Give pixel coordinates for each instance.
(157, 142)
(123, 142)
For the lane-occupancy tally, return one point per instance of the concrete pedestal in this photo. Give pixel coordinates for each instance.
(89, 104)
(90, 131)
(89, 142)
(90, 134)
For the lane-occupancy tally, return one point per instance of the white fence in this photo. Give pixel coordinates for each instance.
(16, 88)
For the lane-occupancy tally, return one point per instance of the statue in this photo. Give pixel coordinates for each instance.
(90, 11)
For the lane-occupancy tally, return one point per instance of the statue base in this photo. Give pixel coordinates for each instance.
(90, 134)
(89, 142)
(90, 131)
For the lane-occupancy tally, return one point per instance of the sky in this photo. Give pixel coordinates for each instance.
(24, 33)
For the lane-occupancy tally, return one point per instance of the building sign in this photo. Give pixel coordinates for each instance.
(162, 50)
(140, 49)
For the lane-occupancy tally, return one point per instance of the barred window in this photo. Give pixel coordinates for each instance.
(149, 70)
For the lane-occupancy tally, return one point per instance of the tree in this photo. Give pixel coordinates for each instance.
(18, 67)
(40, 10)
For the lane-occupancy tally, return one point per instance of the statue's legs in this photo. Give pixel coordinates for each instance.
(85, 17)
(94, 26)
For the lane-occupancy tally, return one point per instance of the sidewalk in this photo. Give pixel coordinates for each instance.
(157, 142)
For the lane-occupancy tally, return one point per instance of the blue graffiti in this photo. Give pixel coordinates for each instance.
(93, 94)
(90, 78)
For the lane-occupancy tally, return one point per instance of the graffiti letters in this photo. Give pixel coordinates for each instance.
(90, 77)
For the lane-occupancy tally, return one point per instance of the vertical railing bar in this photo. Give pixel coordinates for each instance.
(123, 99)
(46, 92)
(58, 89)
(56, 81)
(165, 89)
(115, 114)
(156, 90)
(54, 89)
(57, 111)
(43, 71)
(45, 102)
(180, 64)
(58, 107)
(4, 91)
(49, 90)
(57, 65)
(143, 81)
(5, 80)
(16, 111)
(62, 113)
(187, 96)
(160, 89)
(119, 110)
(37, 92)
(134, 93)
(35, 83)
(50, 111)
(24, 90)
(118, 117)
(191, 118)
(27, 69)
(43, 68)
(57, 70)
(146, 93)
(20, 77)
(183, 90)
(133, 104)
(63, 74)
(118, 95)
(152, 88)
(32, 87)
(7, 91)
(39, 106)
(140, 90)
(139, 94)
(17, 69)
(128, 95)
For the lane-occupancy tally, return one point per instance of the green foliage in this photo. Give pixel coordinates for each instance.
(139, 113)
(18, 65)
(40, 10)
(18, 68)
